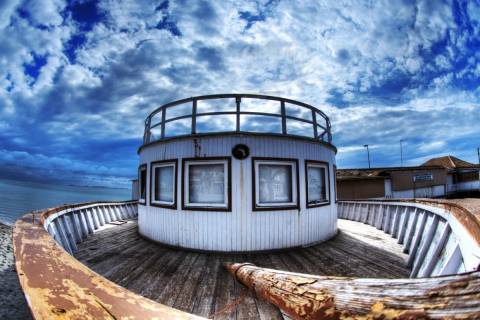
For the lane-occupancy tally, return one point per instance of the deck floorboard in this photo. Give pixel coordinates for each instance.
(198, 283)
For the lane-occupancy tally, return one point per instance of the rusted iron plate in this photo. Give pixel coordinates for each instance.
(57, 286)
(304, 296)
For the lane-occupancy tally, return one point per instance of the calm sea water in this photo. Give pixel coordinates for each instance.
(18, 197)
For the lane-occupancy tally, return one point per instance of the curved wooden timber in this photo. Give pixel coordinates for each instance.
(304, 296)
(439, 235)
(57, 286)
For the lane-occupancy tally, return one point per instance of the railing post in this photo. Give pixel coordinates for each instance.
(238, 100)
(194, 117)
(146, 138)
(284, 119)
(164, 112)
(314, 118)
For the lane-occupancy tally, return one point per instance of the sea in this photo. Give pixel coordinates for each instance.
(18, 197)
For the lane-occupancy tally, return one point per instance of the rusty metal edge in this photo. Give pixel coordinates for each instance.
(57, 286)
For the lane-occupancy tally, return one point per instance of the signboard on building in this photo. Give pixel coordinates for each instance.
(422, 177)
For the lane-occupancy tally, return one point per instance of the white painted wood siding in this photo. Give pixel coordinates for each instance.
(241, 229)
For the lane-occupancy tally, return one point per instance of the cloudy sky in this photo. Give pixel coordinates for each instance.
(77, 79)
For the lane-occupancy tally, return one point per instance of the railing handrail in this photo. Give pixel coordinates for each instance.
(324, 125)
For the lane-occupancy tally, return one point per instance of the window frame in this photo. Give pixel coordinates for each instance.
(326, 166)
(335, 182)
(163, 163)
(140, 199)
(294, 205)
(225, 207)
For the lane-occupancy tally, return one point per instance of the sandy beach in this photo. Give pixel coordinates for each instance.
(12, 301)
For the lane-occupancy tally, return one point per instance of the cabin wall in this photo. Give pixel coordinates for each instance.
(241, 229)
(403, 180)
(361, 189)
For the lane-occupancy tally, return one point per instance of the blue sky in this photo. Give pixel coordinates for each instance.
(77, 79)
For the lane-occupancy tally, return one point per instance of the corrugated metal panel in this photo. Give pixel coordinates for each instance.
(242, 229)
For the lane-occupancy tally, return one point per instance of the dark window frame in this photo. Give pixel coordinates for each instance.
(335, 182)
(296, 206)
(174, 162)
(327, 181)
(228, 208)
(142, 201)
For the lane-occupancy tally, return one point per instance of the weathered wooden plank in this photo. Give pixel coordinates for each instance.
(445, 232)
(396, 221)
(403, 225)
(416, 241)
(425, 246)
(147, 268)
(63, 236)
(68, 233)
(453, 262)
(410, 231)
(96, 221)
(304, 296)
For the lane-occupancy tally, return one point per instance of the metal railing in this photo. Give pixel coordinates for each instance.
(234, 113)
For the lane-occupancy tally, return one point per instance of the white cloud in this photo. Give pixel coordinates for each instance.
(7, 7)
(370, 66)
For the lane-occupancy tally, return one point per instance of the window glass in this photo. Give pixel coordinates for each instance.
(317, 189)
(164, 185)
(275, 183)
(143, 183)
(206, 184)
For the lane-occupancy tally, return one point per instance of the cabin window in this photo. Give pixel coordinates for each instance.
(163, 188)
(206, 184)
(317, 178)
(275, 184)
(142, 183)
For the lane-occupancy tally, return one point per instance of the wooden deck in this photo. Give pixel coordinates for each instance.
(198, 283)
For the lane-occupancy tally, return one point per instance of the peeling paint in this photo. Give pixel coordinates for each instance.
(57, 286)
(312, 297)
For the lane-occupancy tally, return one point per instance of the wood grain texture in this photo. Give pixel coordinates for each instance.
(197, 282)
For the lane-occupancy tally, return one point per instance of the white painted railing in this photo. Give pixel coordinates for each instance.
(435, 241)
(72, 224)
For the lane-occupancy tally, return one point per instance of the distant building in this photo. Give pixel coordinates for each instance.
(461, 175)
(436, 178)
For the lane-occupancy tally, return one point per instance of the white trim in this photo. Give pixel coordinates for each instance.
(154, 182)
(186, 190)
(326, 183)
(293, 182)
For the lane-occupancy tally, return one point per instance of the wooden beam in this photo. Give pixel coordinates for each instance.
(416, 242)
(425, 247)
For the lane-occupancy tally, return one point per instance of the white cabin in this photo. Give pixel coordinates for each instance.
(237, 173)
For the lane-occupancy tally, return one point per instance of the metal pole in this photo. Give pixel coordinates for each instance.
(368, 154)
(401, 153)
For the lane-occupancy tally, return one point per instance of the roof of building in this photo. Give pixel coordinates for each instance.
(449, 162)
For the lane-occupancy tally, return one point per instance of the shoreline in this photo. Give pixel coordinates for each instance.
(12, 304)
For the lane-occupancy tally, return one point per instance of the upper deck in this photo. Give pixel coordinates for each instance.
(237, 113)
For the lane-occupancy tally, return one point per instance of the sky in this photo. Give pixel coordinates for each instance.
(78, 78)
